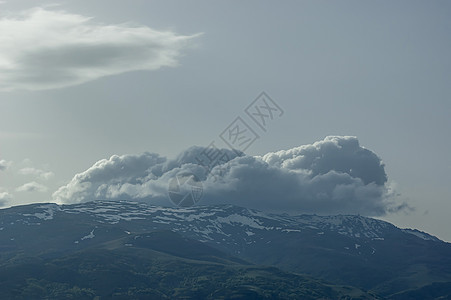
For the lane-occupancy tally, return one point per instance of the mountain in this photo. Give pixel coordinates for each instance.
(156, 265)
(347, 250)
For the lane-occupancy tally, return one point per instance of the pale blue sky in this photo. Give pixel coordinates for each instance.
(377, 70)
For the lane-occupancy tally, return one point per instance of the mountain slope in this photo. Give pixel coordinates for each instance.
(350, 250)
(156, 265)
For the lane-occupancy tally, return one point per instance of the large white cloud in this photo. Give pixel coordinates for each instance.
(335, 175)
(44, 49)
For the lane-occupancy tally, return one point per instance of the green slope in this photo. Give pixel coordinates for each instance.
(158, 265)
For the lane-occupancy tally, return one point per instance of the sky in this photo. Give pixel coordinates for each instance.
(106, 99)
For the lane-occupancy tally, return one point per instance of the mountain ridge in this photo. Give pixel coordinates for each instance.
(350, 250)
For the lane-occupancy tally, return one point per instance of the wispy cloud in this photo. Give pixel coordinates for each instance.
(45, 49)
(4, 164)
(41, 174)
(32, 187)
(4, 197)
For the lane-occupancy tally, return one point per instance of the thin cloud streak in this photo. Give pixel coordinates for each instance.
(47, 49)
(32, 187)
(41, 174)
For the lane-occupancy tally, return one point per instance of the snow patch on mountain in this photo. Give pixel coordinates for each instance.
(241, 220)
(349, 225)
(47, 213)
(226, 223)
(422, 235)
(91, 235)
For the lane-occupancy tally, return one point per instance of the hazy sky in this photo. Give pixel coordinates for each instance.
(81, 81)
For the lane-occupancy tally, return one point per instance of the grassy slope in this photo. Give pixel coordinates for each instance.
(158, 265)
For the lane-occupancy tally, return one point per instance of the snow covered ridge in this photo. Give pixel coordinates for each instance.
(349, 225)
(422, 235)
(212, 222)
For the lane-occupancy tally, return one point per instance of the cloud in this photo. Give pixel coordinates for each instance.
(142, 177)
(41, 174)
(4, 198)
(334, 153)
(32, 187)
(45, 49)
(4, 164)
(335, 175)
